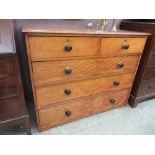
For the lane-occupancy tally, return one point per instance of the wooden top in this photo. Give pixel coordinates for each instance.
(7, 44)
(83, 31)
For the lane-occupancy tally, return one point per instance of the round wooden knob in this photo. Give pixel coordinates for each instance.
(116, 83)
(120, 65)
(68, 47)
(67, 91)
(68, 113)
(112, 101)
(68, 70)
(125, 45)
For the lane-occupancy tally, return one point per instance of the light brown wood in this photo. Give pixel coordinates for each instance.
(113, 46)
(55, 93)
(55, 115)
(103, 102)
(43, 48)
(52, 71)
(110, 65)
(105, 84)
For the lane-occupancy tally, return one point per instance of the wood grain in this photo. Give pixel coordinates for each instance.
(102, 102)
(52, 71)
(43, 48)
(53, 116)
(55, 93)
(113, 46)
(110, 65)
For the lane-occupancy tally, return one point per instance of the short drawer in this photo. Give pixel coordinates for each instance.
(112, 83)
(11, 108)
(8, 87)
(51, 71)
(43, 48)
(6, 67)
(117, 64)
(72, 90)
(69, 111)
(151, 61)
(149, 73)
(147, 87)
(109, 101)
(115, 46)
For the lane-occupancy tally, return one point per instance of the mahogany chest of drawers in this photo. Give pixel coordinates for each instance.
(144, 84)
(13, 110)
(75, 74)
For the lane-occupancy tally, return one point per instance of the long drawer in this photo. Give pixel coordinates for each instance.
(76, 109)
(115, 46)
(43, 48)
(52, 71)
(72, 90)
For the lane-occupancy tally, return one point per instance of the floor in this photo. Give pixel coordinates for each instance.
(120, 121)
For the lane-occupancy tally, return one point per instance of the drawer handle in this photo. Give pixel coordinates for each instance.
(112, 101)
(67, 91)
(125, 45)
(68, 70)
(68, 113)
(116, 83)
(68, 47)
(120, 65)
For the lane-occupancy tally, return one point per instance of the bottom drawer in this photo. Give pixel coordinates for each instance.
(76, 109)
(11, 108)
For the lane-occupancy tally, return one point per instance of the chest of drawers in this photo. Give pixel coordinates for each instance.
(75, 74)
(13, 111)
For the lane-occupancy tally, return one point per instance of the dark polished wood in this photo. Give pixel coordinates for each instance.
(144, 84)
(13, 111)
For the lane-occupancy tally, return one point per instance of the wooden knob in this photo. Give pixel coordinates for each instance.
(125, 45)
(67, 91)
(116, 83)
(120, 65)
(68, 47)
(68, 113)
(112, 101)
(68, 70)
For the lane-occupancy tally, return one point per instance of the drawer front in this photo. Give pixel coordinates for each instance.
(48, 72)
(151, 61)
(147, 88)
(69, 111)
(109, 101)
(6, 67)
(8, 87)
(73, 90)
(113, 83)
(43, 48)
(115, 46)
(63, 92)
(149, 73)
(11, 108)
(117, 64)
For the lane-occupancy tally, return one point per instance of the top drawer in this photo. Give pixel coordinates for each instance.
(115, 46)
(43, 48)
